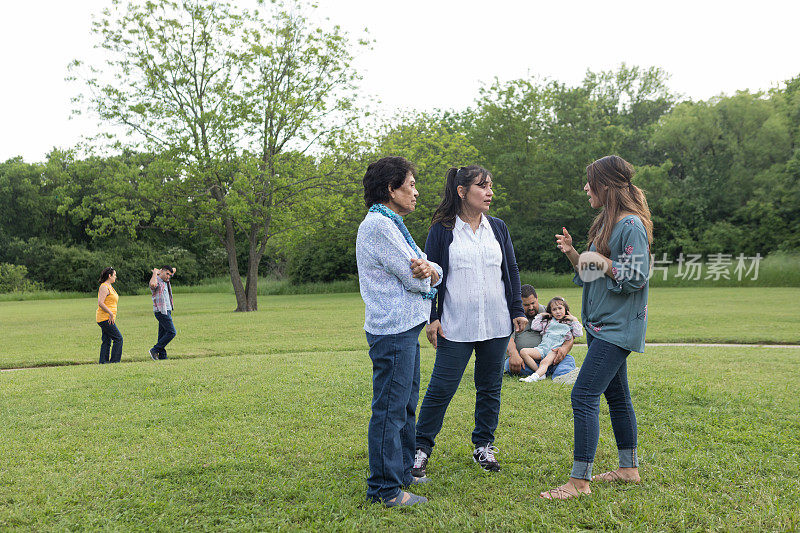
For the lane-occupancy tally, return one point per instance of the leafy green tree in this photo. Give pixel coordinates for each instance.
(634, 99)
(428, 142)
(538, 136)
(730, 173)
(108, 198)
(326, 250)
(235, 101)
(13, 279)
(29, 202)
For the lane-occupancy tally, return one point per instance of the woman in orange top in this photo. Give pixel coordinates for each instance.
(107, 299)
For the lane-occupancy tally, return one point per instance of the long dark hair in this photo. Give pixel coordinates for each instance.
(105, 274)
(450, 205)
(610, 181)
(562, 301)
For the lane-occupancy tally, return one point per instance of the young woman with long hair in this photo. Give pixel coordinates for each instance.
(614, 315)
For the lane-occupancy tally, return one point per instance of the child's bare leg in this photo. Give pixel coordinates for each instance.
(546, 362)
(530, 356)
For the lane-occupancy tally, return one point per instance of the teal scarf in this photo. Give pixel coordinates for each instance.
(398, 221)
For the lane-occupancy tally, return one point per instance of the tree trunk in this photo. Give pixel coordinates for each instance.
(252, 282)
(233, 267)
(253, 259)
(256, 253)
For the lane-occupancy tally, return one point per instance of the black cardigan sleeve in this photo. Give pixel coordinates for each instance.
(515, 305)
(433, 249)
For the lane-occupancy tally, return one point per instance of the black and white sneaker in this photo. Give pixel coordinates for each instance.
(420, 464)
(153, 354)
(484, 456)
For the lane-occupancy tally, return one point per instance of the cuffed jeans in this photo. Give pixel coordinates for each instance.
(110, 333)
(566, 366)
(166, 332)
(451, 361)
(604, 371)
(395, 394)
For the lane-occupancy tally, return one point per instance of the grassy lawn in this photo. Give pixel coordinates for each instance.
(48, 332)
(275, 437)
(277, 441)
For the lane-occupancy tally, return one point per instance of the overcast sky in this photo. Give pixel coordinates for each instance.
(436, 53)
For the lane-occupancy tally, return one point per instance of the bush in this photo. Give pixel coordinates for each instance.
(212, 262)
(535, 250)
(320, 261)
(326, 254)
(13, 278)
(75, 268)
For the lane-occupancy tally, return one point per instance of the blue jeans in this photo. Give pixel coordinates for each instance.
(604, 371)
(451, 361)
(110, 333)
(553, 371)
(395, 393)
(166, 332)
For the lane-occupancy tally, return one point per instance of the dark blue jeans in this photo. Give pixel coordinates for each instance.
(110, 333)
(451, 361)
(395, 393)
(166, 332)
(604, 371)
(566, 366)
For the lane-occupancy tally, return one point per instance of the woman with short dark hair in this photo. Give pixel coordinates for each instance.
(106, 315)
(614, 315)
(396, 282)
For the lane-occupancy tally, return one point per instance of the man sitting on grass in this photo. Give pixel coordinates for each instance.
(562, 370)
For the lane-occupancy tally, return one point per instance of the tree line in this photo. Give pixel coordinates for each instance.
(249, 143)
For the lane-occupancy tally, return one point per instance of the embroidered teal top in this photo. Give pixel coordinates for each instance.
(615, 310)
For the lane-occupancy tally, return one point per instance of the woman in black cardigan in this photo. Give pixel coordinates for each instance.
(477, 308)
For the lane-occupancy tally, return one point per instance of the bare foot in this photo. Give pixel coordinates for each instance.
(620, 475)
(567, 491)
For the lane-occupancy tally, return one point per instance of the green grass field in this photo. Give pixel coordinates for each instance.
(275, 437)
(52, 332)
(779, 269)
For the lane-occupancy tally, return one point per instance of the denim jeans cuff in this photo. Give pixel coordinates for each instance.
(581, 470)
(628, 458)
(427, 449)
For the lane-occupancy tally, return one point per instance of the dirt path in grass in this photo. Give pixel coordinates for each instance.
(687, 344)
(722, 345)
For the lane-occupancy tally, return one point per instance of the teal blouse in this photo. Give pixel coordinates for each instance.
(615, 310)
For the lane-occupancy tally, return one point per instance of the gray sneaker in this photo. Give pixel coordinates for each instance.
(568, 378)
(412, 499)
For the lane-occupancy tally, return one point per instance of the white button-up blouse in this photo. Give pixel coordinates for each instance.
(475, 307)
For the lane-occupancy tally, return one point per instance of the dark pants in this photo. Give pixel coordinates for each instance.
(110, 333)
(166, 332)
(395, 393)
(604, 371)
(451, 361)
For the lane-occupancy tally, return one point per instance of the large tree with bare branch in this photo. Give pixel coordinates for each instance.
(255, 110)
